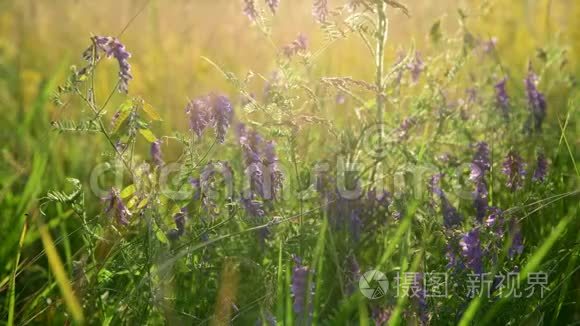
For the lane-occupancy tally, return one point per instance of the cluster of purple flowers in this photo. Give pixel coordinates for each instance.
(541, 168)
(489, 45)
(273, 5)
(300, 290)
(381, 315)
(207, 181)
(419, 295)
(254, 208)
(116, 208)
(480, 165)
(210, 110)
(501, 97)
(496, 222)
(354, 215)
(252, 13)
(517, 245)
(515, 170)
(114, 48)
(299, 45)
(250, 10)
(416, 67)
(156, 155)
(490, 219)
(275, 174)
(403, 129)
(179, 220)
(262, 164)
(536, 100)
(471, 250)
(451, 217)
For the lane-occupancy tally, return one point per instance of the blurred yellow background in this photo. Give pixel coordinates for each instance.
(168, 38)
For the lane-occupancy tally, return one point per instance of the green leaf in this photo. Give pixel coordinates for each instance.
(148, 134)
(132, 202)
(143, 203)
(118, 121)
(123, 113)
(435, 32)
(128, 191)
(151, 112)
(160, 235)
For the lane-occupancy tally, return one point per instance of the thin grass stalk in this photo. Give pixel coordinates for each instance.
(382, 30)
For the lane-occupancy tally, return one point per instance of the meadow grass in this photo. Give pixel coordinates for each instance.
(344, 111)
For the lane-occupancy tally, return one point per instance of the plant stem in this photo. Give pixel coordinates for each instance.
(379, 60)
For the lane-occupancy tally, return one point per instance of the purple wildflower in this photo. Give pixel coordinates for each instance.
(404, 127)
(276, 177)
(517, 246)
(354, 274)
(222, 114)
(451, 216)
(471, 250)
(250, 10)
(416, 67)
(495, 220)
(419, 295)
(300, 287)
(207, 183)
(114, 48)
(536, 100)
(156, 153)
(273, 5)
(299, 45)
(480, 163)
(116, 207)
(381, 316)
(179, 220)
(489, 45)
(215, 110)
(254, 208)
(514, 169)
(378, 197)
(320, 10)
(541, 168)
(435, 184)
(195, 184)
(355, 224)
(452, 261)
(251, 141)
(501, 97)
(199, 114)
(480, 200)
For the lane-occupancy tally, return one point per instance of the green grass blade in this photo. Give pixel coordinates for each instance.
(12, 302)
(61, 277)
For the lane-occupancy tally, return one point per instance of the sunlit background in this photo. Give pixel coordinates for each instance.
(168, 38)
